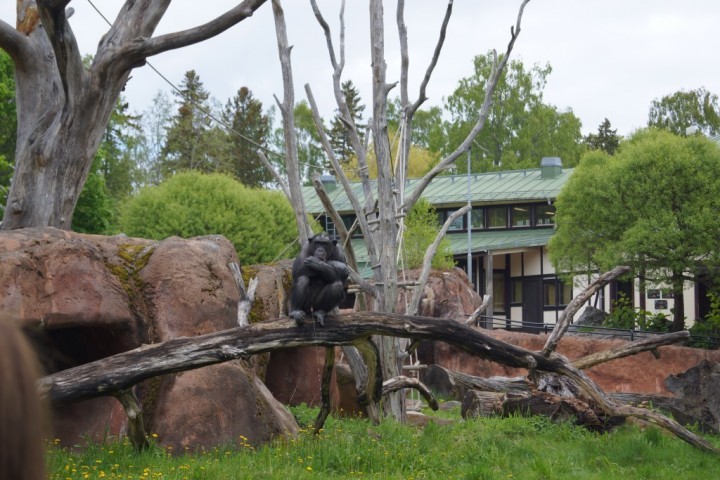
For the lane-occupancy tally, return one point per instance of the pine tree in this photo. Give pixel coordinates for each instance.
(339, 138)
(189, 144)
(250, 132)
(606, 139)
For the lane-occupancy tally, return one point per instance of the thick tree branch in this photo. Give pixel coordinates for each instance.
(566, 316)
(12, 41)
(191, 36)
(401, 382)
(630, 348)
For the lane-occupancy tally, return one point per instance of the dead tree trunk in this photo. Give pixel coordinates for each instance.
(120, 372)
(64, 108)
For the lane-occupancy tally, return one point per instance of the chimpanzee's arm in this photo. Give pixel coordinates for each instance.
(331, 271)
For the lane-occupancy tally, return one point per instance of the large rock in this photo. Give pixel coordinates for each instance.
(86, 297)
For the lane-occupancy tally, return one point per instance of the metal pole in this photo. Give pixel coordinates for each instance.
(469, 226)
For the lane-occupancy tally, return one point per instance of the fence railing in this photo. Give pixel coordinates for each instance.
(701, 341)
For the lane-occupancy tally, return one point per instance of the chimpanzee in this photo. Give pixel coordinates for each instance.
(319, 275)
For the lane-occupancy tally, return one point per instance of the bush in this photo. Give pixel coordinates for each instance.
(259, 223)
(422, 228)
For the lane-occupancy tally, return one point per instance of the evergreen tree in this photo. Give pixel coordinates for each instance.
(606, 139)
(250, 132)
(190, 143)
(339, 138)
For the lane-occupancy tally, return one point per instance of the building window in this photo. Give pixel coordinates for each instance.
(545, 215)
(477, 217)
(520, 216)
(329, 226)
(556, 293)
(497, 217)
(498, 292)
(458, 224)
(516, 294)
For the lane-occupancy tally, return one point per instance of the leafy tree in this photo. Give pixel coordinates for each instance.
(311, 156)
(192, 142)
(96, 209)
(684, 109)
(259, 223)
(339, 138)
(520, 128)
(148, 151)
(606, 139)
(250, 131)
(117, 163)
(422, 228)
(8, 123)
(651, 206)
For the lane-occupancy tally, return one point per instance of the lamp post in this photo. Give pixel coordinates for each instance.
(469, 224)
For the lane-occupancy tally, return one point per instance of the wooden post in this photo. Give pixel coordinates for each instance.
(489, 311)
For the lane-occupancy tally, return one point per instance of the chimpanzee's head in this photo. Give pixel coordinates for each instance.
(322, 247)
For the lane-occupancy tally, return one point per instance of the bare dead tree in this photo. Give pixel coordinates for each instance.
(117, 374)
(64, 108)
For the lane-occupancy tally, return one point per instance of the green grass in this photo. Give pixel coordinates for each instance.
(489, 448)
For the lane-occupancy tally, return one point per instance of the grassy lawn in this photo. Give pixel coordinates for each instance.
(489, 448)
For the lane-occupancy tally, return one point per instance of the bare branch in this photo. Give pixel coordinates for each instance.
(362, 219)
(567, 315)
(12, 41)
(495, 74)
(427, 260)
(630, 348)
(344, 236)
(278, 178)
(288, 120)
(472, 319)
(143, 48)
(401, 382)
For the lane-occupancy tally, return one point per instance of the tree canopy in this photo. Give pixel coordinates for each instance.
(606, 139)
(259, 223)
(521, 128)
(652, 206)
(686, 108)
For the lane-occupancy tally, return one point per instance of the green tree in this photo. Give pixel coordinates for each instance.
(250, 131)
(652, 206)
(8, 123)
(95, 211)
(148, 151)
(339, 138)
(520, 128)
(422, 228)
(259, 223)
(192, 143)
(684, 109)
(606, 139)
(311, 155)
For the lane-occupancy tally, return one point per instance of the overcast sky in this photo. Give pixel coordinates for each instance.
(610, 58)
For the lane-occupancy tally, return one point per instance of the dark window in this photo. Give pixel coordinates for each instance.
(497, 217)
(545, 215)
(520, 216)
(477, 217)
(516, 295)
(458, 224)
(329, 226)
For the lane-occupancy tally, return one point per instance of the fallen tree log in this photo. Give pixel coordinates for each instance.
(117, 373)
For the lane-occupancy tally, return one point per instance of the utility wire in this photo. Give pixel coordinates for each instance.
(195, 104)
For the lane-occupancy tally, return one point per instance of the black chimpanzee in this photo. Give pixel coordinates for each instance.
(319, 275)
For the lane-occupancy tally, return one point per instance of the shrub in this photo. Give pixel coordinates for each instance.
(422, 228)
(259, 223)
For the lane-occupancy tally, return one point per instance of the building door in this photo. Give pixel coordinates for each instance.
(532, 304)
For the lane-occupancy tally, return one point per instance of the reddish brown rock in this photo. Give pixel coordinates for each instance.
(86, 297)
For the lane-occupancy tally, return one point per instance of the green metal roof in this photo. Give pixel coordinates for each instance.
(494, 187)
(500, 240)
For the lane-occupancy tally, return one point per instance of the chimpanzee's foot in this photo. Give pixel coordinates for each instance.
(319, 317)
(298, 316)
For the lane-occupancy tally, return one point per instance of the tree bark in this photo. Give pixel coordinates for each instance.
(64, 109)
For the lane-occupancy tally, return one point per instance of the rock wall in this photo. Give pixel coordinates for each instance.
(85, 297)
(641, 373)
